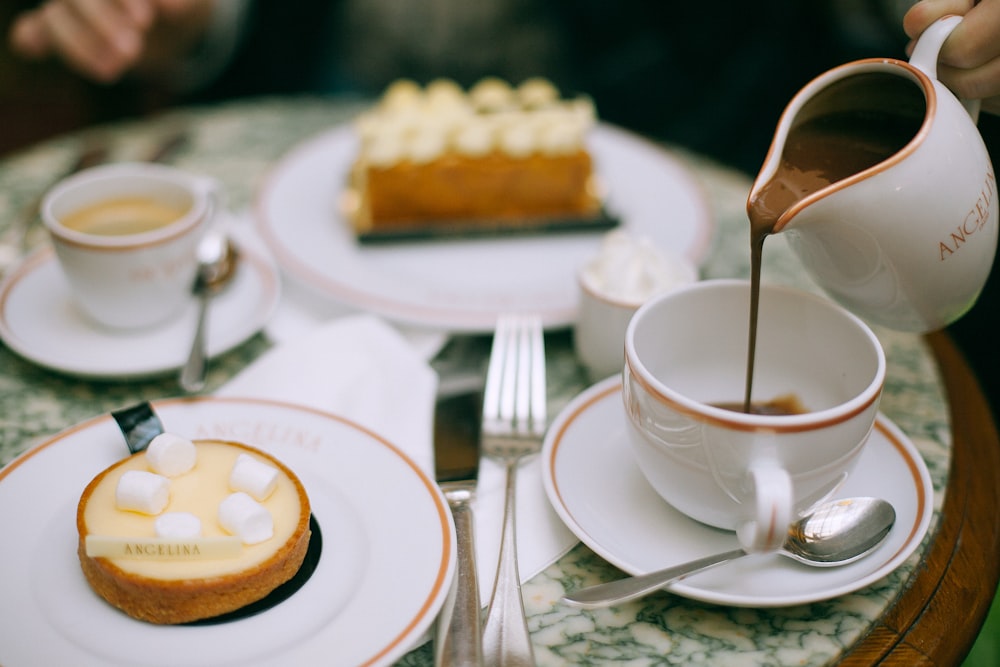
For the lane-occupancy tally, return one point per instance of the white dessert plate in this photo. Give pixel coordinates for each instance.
(464, 284)
(388, 549)
(598, 491)
(40, 322)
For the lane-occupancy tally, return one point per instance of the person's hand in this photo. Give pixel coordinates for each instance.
(969, 63)
(104, 39)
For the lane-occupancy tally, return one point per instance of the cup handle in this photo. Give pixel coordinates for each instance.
(927, 48)
(772, 494)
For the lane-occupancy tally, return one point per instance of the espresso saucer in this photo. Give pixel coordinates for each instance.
(40, 322)
(597, 489)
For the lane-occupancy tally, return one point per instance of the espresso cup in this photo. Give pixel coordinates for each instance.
(686, 358)
(125, 236)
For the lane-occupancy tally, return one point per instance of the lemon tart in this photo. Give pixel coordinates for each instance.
(232, 525)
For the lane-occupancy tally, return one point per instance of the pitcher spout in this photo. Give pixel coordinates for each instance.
(844, 127)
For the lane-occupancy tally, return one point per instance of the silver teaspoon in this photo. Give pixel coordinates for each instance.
(836, 533)
(217, 260)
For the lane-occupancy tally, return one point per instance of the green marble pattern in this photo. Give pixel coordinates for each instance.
(238, 143)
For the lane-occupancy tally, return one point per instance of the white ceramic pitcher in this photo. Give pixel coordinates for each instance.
(909, 242)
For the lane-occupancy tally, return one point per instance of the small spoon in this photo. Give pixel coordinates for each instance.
(217, 260)
(836, 533)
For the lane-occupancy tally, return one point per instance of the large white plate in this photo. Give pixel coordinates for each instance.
(597, 489)
(463, 285)
(40, 322)
(386, 564)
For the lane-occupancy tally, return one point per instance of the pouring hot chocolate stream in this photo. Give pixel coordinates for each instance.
(885, 190)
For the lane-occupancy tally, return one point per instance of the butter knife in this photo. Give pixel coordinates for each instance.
(456, 468)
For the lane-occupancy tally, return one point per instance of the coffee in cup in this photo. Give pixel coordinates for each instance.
(126, 235)
(122, 216)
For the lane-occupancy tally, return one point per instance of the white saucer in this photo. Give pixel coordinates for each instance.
(40, 322)
(598, 491)
(388, 549)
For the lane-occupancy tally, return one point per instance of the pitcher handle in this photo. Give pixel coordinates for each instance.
(927, 48)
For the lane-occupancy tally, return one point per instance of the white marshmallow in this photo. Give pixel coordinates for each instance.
(141, 491)
(253, 477)
(177, 525)
(171, 455)
(241, 515)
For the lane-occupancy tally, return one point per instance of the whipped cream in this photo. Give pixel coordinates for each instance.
(537, 92)
(476, 138)
(630, 269)
(492, 94)
(423, 124)
(401, 94)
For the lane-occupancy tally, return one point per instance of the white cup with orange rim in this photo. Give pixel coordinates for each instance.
(126, 235)
(819, 367)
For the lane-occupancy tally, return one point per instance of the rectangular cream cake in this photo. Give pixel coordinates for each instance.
(491, 159)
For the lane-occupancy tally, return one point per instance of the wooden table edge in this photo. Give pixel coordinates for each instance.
(937, 618)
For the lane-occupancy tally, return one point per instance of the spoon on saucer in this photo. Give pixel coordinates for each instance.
(217, 260)
(835, 533)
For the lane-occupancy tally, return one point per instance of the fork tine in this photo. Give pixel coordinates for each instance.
(539, 417)
(492, 392)
(514, 395)
(524, 403)
(508, 381)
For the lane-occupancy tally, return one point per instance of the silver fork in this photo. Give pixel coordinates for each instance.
(514, 419)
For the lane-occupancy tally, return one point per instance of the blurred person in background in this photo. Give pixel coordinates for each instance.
(713, 79)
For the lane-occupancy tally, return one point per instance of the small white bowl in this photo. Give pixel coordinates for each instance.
(603, 315)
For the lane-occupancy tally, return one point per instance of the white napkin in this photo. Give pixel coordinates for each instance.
(365, 370)
(357, 367)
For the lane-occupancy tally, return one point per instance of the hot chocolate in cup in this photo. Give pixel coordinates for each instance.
(125, 236)
(683, 392)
